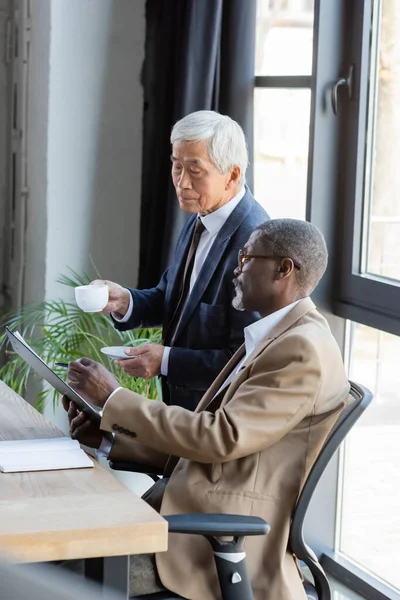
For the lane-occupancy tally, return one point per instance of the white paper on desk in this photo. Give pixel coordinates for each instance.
(17, 456)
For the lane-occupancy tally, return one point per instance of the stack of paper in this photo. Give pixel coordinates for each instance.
(42, 455)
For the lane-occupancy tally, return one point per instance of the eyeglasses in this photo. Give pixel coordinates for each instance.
(244, 258)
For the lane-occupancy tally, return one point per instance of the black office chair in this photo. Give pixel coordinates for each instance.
(234, 583)
(360, 397)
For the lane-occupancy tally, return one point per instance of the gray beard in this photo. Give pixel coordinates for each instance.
(237, 301)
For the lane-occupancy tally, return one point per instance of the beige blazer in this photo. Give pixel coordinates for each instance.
(246, 451)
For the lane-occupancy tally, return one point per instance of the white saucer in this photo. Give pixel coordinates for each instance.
(118, 352)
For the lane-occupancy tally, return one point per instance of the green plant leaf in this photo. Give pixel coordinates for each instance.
(60, 331)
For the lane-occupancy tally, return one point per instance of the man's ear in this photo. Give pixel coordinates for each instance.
(281, 273)
(234, 178)
(285, 268)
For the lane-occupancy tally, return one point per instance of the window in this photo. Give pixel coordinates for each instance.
(281, 140)
(284, 37)
(284, 51)
(340, 170)
(370, 287)
(382, 174)
(368, 527)
(369, 522)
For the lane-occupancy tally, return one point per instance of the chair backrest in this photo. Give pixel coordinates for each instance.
(359, 398)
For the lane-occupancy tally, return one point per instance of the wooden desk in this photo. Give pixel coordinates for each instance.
(76, 513)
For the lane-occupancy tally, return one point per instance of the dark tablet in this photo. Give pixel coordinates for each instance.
(43, 370)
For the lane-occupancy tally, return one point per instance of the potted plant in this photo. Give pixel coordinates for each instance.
(60, 331)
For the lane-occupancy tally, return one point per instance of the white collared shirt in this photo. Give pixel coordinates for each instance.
(255, 333)
(213, 224)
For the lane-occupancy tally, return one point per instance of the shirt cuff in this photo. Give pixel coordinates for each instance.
(109, 398)
(105, 447)
(128, 313)
(164, 361)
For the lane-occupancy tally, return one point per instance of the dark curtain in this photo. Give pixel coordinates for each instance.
(199, 55)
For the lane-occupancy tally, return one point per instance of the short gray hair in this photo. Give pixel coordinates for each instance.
(226, 141)
(303, 243)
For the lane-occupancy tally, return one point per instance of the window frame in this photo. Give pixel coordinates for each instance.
(363, 297)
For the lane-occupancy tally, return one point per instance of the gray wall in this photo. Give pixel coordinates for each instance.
(85, 127)
(37, 153)
(4, 135)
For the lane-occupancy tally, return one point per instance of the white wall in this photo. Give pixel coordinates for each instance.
(85, 135)
(85, 105)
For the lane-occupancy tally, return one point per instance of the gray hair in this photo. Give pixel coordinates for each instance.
(226, 141)
(303, 243)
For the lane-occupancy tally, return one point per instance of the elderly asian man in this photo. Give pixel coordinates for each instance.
(251, 442)
(193, 300)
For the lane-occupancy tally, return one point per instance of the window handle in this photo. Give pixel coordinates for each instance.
(346, 82)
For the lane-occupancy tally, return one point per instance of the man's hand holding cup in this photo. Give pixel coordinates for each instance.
(118, 297)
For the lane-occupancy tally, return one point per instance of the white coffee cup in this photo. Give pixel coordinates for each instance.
(91, 298)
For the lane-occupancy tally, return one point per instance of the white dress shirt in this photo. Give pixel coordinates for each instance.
(253, 335)
(213, 224)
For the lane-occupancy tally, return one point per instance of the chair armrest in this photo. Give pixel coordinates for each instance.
(229, 556)
(136, 467)
(217, 525)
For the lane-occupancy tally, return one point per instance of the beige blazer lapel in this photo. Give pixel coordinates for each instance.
(297, 312)
(226, 371)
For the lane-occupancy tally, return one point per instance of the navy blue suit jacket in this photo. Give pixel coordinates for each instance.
(210, 329)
